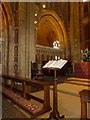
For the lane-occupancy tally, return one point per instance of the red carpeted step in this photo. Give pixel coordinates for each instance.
(24, 103)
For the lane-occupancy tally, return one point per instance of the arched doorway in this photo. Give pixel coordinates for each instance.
(50, 28)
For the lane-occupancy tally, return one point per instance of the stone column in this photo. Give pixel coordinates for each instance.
(26, 44)
(89, 23)
(16, 21)
(22, 39)
(5, 52)
(82, 26)
(31, 40)
(74, 32)
(11, 50)
(15, 51)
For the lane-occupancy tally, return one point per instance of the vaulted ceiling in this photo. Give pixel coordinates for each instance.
(46, 34)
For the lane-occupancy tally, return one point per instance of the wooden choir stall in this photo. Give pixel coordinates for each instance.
(22, 98)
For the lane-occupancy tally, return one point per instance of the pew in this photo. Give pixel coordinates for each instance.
(21, 99)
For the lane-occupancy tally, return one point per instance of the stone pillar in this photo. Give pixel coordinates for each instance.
(82, 27)
(16, 51)
(5, 52)
(77, 32)
(74, 32)
(16, 21)
(0, 56)
(21, 39)
(26, 43)
(31, 40)
(68, 29)
(11, 50)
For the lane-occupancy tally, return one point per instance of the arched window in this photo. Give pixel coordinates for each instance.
(56, 44)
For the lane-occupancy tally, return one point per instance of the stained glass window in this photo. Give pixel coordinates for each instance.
(56, 44)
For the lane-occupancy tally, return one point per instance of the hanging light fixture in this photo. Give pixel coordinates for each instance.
(35, 14)
(44, 6)
(35, 22)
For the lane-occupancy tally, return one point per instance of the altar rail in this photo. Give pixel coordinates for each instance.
(35, 110)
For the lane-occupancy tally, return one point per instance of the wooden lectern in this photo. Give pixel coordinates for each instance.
(55, 65)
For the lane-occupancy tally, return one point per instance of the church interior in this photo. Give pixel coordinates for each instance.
(31, 35)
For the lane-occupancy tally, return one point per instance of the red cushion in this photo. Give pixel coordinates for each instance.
(24, 103)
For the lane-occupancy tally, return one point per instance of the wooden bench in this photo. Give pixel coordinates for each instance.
(26, 83)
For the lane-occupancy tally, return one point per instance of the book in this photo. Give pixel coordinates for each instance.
(55, 64)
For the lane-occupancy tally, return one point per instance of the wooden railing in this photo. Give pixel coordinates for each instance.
(25, 92)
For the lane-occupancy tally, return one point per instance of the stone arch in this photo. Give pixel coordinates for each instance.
(7, 10)
(55, 24)
(7, 19)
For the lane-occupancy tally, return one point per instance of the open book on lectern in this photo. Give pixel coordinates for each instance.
(55, 64)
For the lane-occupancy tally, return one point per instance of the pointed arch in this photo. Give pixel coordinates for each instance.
(7, 20)
(50, 18)
(6, 8)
